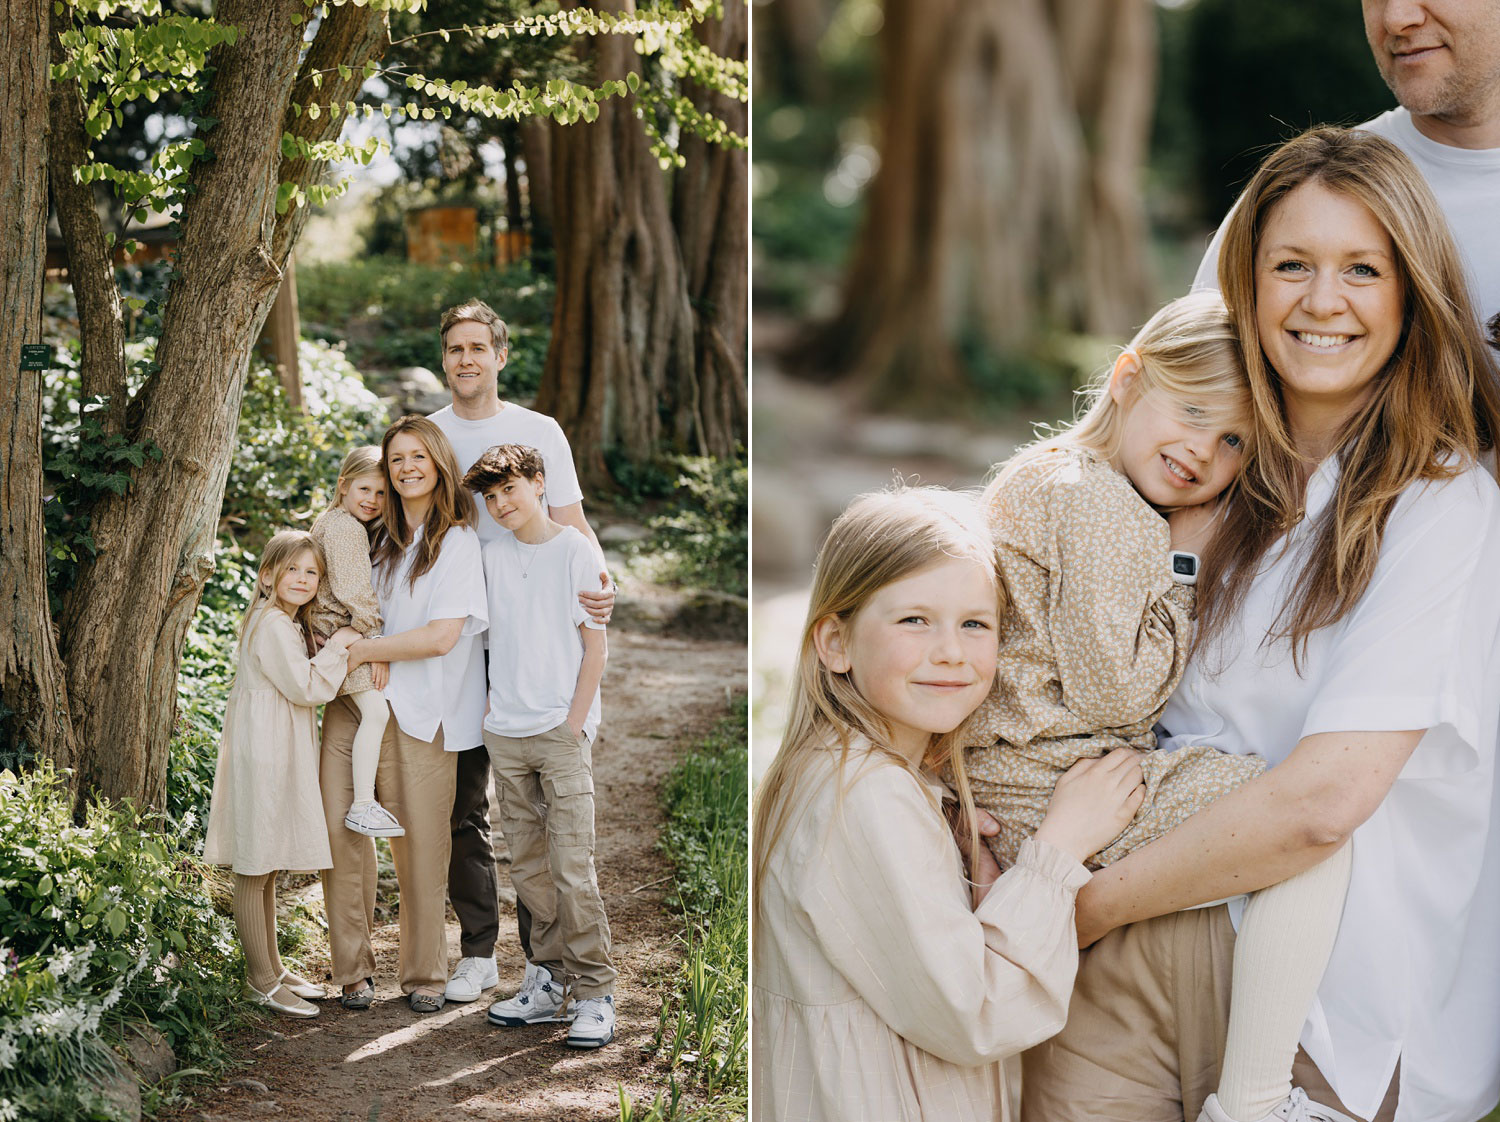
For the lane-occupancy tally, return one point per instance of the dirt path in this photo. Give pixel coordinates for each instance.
(391, 1065)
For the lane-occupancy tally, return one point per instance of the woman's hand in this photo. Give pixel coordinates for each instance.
(1191, 528)
(984, 869)
(1093, 802)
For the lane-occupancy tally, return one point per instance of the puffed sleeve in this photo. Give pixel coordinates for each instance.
(887, 906)
(1413, 652)
(278, 647)
(1120, 626)
(346, 547)
(456, 587)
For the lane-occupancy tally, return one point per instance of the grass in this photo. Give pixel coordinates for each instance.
(702, 1036)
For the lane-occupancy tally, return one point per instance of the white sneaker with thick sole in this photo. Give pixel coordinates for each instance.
(373, 821)
(1296, 1107)
(539, 1001)
(471, 977)
(593, 1022)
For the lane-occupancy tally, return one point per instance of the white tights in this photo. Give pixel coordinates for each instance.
(373, 714)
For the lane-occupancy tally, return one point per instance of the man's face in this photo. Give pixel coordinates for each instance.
(1441, 58)
(471, 362)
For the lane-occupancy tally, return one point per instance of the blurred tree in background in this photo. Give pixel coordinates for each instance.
(952, 195)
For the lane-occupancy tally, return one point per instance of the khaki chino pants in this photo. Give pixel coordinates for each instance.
(545, 784)
(414, 781)
(1146, 1027)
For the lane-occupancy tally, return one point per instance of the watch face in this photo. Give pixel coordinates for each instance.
(1184, 565)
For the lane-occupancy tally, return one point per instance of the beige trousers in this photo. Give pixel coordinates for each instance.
(1146, 1027)
(414, 781)
(546, 788)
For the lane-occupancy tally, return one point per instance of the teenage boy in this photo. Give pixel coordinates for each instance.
(547, 658)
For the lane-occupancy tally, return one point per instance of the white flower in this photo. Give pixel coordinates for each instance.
(8, 1054)
(9, 1111)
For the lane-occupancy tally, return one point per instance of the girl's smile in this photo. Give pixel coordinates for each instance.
(298, 582)
(1169, 454)
(921, 651)
(365, 497)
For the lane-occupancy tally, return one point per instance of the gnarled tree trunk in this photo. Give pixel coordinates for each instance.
(1007, 194)
(31, 683)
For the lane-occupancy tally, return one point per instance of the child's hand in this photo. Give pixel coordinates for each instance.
(380, 673)
(344, 636)
(1094, 800)
(1191, 528)
(983, 868)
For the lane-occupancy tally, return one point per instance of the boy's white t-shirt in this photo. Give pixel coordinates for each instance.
(514, 424)
(535, 647)
(445, 691)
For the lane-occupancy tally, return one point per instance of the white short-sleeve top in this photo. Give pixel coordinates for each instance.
(1415, 972)
(446, 691)
(514, 424)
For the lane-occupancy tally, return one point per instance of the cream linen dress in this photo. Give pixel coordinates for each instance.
(1092, 644)
(880, 995)
(267, 812)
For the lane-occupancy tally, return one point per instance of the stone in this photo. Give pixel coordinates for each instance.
(251, 1085)
(150, 1053)
(265, 1106)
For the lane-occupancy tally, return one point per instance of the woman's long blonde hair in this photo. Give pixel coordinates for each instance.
(1188, 355)
(280, 550)
(451, 505)
(879, 539)
(1431, 411)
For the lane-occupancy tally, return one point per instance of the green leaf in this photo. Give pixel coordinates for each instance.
(115, 921)
(633, 80)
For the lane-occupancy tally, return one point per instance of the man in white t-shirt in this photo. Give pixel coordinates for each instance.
(475, 348)
(1441, 59)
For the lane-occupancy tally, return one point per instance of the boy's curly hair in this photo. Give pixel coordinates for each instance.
(502, 462)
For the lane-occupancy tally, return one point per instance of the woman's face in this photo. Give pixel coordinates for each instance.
(413, 472)
(1328, 303)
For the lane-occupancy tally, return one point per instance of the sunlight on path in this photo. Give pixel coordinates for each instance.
(409, 1033)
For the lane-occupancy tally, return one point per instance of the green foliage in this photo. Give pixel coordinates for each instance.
(286, 460)
(702, 1037)
(1260, 73)
(703, 538)
(388, 309)
(101, 926)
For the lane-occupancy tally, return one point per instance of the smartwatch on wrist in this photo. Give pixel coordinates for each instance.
(1184, 567)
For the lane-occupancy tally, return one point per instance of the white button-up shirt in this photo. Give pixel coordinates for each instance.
(1415, 972)
(446, 691)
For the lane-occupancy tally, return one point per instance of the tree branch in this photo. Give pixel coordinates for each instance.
(101, 324)
(351, 36)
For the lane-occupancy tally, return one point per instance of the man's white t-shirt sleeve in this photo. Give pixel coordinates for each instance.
(562, 476)
(583, 564)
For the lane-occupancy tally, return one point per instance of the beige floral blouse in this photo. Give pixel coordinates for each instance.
(346, 594)
(1093, 642)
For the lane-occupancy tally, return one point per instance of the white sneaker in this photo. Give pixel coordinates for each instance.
(593, 1022)
(1296, 1107)
(540, 1000)
(373, 821)
(471, 978)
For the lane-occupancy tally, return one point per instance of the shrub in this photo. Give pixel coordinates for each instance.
(703, 538)
(100, 926)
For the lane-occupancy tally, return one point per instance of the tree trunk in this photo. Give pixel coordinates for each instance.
(510, 147)
(1000, 206)
(31, 675)
(124, 624)
(710, 208)
(91, 268)
(621, 318)
(536, 147)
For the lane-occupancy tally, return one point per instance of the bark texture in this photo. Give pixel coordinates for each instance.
(31, 683)
(649, 325)
(711, 211)
(91, 269)
(124, 625)
(1007, 196)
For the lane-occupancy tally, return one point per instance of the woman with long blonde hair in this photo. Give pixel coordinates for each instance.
(883, 987)
(1349, 623)
(430, 587)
